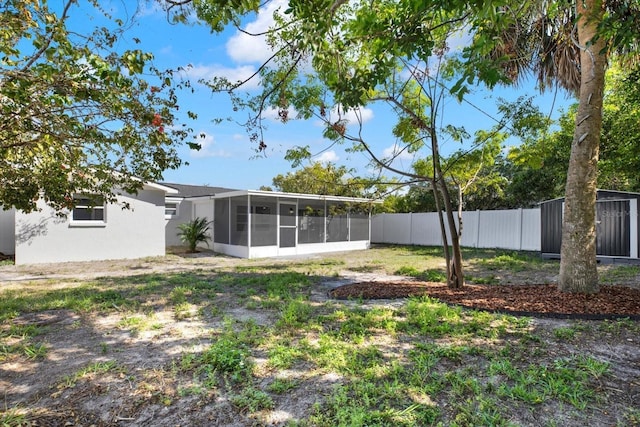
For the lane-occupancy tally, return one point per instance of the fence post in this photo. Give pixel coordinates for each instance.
(411, 228)
(520, 229)
(477, 243)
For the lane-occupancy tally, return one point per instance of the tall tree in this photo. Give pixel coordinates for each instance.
(567, 43)
(76, 115)
(355, 46)
(362, 53)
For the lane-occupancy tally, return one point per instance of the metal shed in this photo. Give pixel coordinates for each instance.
(616, 226)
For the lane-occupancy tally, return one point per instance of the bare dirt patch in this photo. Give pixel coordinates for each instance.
(100, 370)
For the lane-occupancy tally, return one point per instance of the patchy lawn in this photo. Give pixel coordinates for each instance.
(206, 340)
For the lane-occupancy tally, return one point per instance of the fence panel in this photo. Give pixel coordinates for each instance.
(517, 229)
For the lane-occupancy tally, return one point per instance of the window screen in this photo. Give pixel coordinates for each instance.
(337, 222)
(311, 221)
(359, 226)
(239, 220)
(221, 223)
(264, 221)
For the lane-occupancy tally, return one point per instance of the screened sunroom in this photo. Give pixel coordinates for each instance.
(255, 224)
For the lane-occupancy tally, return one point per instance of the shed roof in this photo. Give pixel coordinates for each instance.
(600, 191)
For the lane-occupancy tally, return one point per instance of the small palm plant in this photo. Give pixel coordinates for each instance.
(194, 232)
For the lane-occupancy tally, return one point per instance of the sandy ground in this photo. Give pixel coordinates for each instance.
(139, 389)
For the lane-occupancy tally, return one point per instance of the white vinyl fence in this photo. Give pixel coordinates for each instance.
(517, 229)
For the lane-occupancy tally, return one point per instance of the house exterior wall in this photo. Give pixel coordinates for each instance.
(43, 237)
(7, 231)
(204, 209)
(185, 213)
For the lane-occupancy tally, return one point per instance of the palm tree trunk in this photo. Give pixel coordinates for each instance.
(578, 271)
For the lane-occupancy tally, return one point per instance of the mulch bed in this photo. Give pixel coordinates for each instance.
(546, 300)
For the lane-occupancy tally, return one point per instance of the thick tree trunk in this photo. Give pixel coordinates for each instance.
(578, 271)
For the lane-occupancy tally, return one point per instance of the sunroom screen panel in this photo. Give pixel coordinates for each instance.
(239, 220)
(310, 221)
(264, 221)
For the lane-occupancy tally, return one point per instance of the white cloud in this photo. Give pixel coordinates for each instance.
(326, 157)
(208, 148)
(362, 114)
(396, 152)
(246, 48)
(352, 116)
(273, 114)
(236, 74)
(459, 40)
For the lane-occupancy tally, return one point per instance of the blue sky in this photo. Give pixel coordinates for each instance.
(227, 158)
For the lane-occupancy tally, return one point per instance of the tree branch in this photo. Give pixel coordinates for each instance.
(46, 45)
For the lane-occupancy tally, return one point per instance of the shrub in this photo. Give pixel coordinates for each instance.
(194, 232)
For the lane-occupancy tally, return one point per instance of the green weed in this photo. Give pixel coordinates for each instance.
(565, 379)
(96, 368)
(295, 314)
(619, 274)
(228, 356)
(283, 356)
(510, 261)
(13, 417)
(252, 400)
(83, 298)
(486, 280)
(565, 333)
(282, 385)
(429, 275)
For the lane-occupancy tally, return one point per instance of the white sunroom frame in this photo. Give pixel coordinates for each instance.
(283, 199)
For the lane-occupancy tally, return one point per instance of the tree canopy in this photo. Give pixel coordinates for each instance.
(322, 178)
(378, 51)
(77, 114)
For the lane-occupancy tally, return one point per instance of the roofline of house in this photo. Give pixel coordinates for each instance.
(240, 193)
(156, 186)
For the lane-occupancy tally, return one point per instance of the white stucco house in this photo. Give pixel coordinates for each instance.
(244, 223)
(90, 232)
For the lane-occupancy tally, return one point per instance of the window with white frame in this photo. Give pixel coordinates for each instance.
(171, 209)
(88, 207)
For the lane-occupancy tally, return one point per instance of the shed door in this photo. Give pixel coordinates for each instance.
(288, 220)
(613, 228)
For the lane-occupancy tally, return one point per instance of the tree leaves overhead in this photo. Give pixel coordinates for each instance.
(326, 179)
(77, 115)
